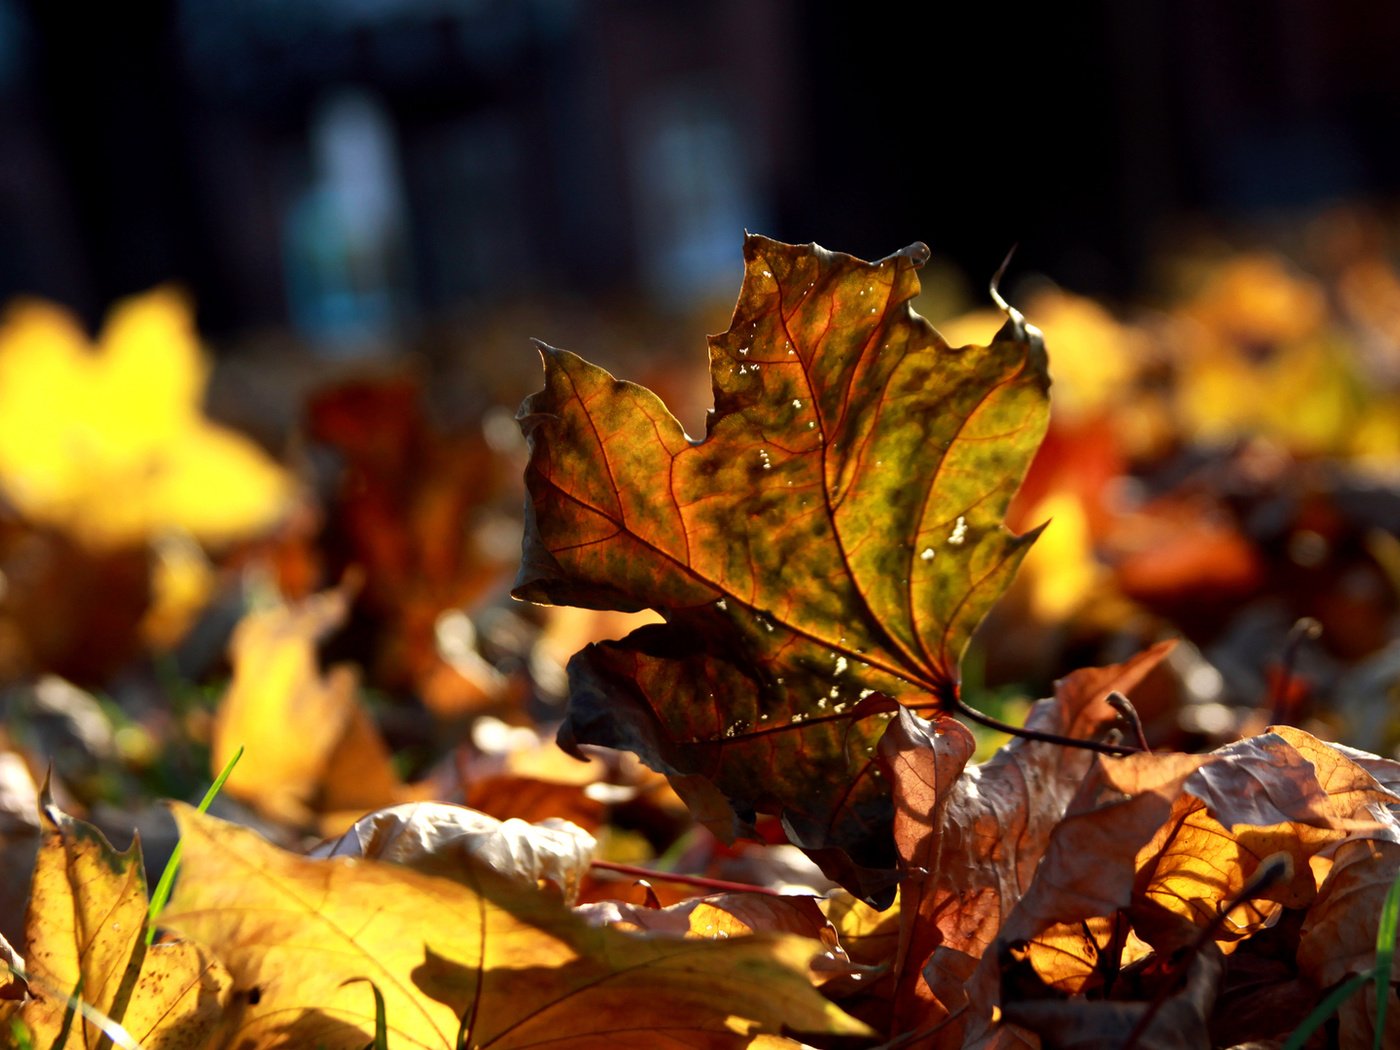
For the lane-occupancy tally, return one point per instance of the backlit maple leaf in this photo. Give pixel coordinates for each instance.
(838, 533)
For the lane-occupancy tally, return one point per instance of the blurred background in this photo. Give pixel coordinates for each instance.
(355, 168)
(272, 271)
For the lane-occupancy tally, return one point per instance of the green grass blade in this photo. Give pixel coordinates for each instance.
(1385, 955)
(1326, 1009)
(381, 1019)
(167, 877)
(24, 1039)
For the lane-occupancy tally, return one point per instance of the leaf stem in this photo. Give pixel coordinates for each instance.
(700, 881)
(961, 707)
(1128, 713)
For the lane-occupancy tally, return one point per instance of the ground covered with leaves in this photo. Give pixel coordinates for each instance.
(729, 740)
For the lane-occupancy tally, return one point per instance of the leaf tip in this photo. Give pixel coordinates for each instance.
(917, 253)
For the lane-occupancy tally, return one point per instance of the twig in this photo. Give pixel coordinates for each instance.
(963, 708)
(700, 881)
(1305, 630)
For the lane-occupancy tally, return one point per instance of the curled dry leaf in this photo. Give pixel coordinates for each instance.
(512, 966)
(451, 841)
(1166, 841)
(837, 532)
(970, 838)
(313, 757)
(86, 934)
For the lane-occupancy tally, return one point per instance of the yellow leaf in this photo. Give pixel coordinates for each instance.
(109, 443)
(86, 928)
(516, 963)
(312, 751)
(1095, 357)
(1060, 573)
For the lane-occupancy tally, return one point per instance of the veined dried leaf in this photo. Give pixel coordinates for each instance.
(971, 839)
(717, 917)
(838, 532)
(1167, 839)
(517, 964)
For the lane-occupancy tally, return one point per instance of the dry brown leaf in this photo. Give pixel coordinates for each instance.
(517, 964)
(1179, 1023)
(452, 841)
(1087, 870)
(970, 839)
(1167, 839)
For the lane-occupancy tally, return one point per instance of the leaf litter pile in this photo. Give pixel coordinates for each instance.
(772, 799)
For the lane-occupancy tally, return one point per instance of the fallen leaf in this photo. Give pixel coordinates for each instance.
(970, 839)
(1167, 839)
(441, 839)
(312, 754)
(86, 936)
(1257, 797)
(717, 917)
(1179, 1022)
(108, 444)
(49, 622)
(837, 533)
(1086, 871)
(516, 965)
(404, 511)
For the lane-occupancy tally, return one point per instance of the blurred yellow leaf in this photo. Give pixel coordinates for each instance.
(85, 929)
(1094, 357)
(182, 582)
(512, 964)
(108, 443)
(313, 752)
(1060, 572)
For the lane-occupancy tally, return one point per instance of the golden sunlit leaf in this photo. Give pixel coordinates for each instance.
(108, 443)
(519, 966)
(86, 929)
(1060, 573)
(312, 751)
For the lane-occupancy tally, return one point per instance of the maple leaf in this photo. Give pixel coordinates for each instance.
(510, 965)
(110, 445)
(86, 938)
(837, 533)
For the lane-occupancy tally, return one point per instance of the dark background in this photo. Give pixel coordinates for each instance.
(352, 167)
